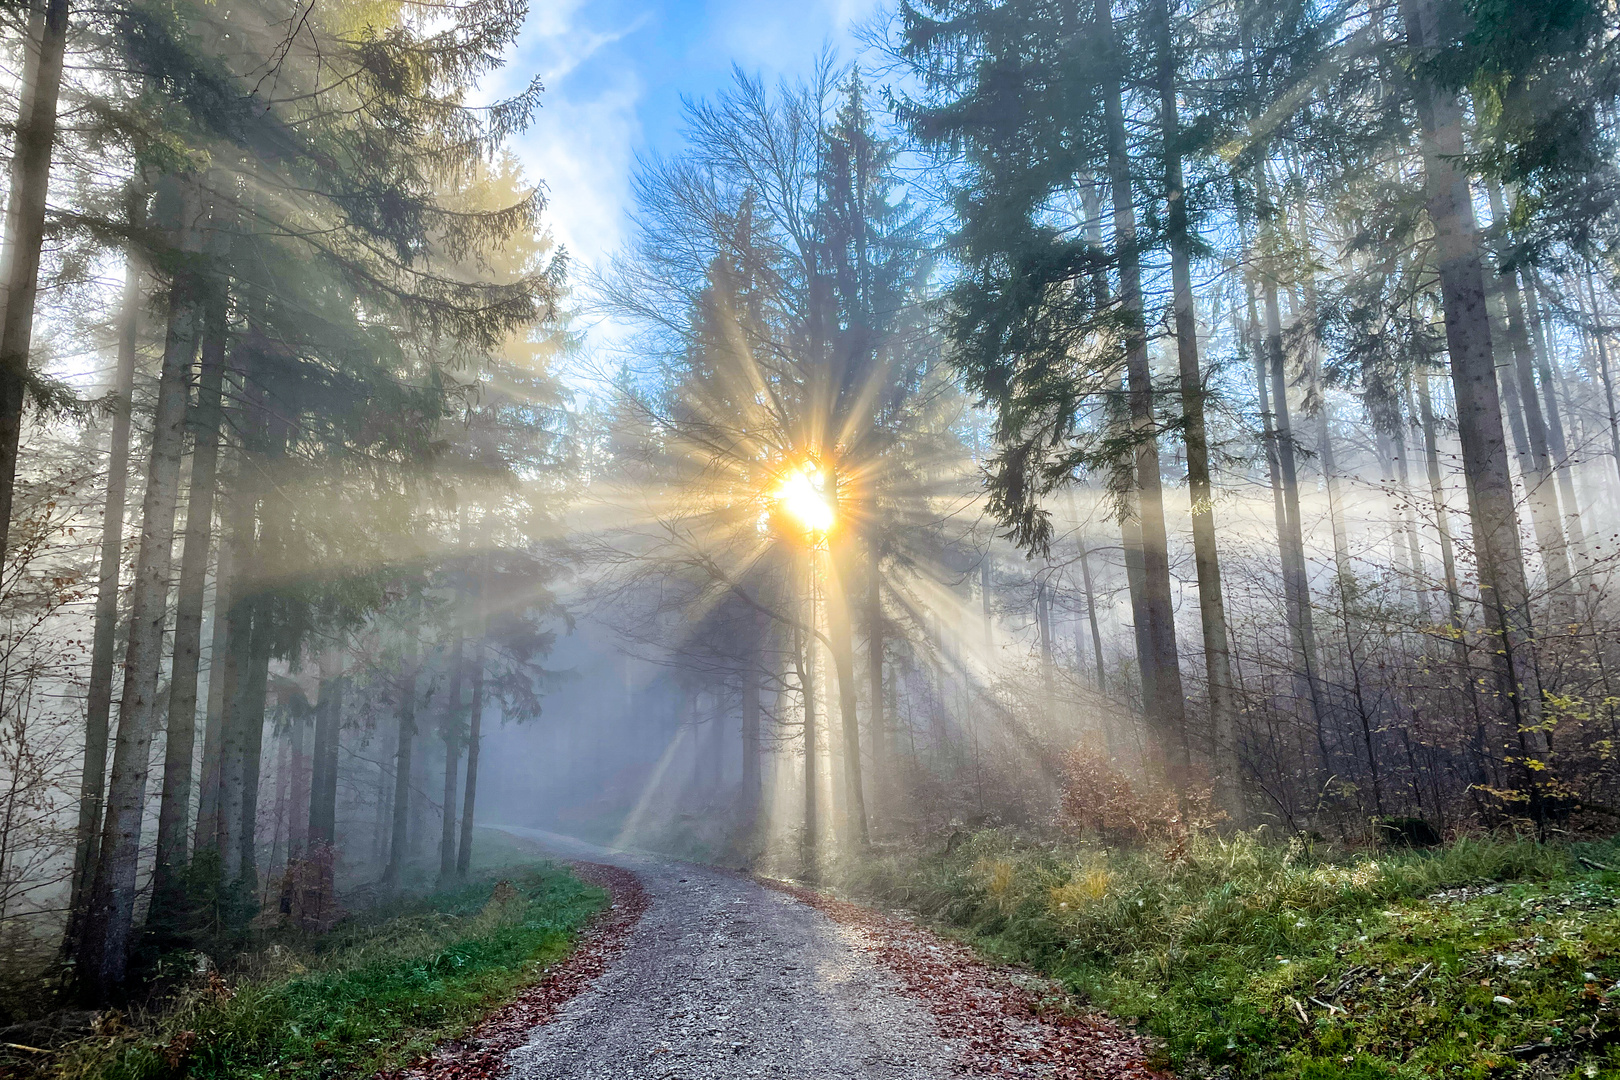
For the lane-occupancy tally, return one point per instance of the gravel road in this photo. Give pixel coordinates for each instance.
(724, 978)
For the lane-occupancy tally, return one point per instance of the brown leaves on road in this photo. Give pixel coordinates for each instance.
(1014, 1023)
(480, 1054)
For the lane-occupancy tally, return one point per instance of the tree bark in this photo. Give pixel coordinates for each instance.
(469, 792)
(399, 837)
(874, 665)
(1303, 622)
(323, 779)
(98, 705)
(450, 729)
(251, 691)
(237, 663)
(750, 748)
(1503, 590)
(175, 807)
(104, 952)
(33, 143)
(1161, 672)
(299, 782)
(1557, 443)
(804, 658)
(1206, 555)
(1536, 466)
(219, 660)
(841, 630)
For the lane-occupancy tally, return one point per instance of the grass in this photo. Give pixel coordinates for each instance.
(373, 993)
(1481, 959)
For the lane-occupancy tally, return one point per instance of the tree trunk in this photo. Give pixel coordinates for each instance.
(219, 663)
(1091, 616)
(1163, 700)
(323, 780)
(450, 729)
(1600, 333)
(1503, 590)
(33, 142)
(98, 705)
(399, 838)
(881, 767)
(299, 783)
(1557, 442)
(475, 730)
(840, 626)
(804, 658)
(175, 807)
(1403, 482)
(237, 662)
(104, 951)
(251, 692)
(1303, 623)
(1539, 486)
(1206, 556)
(750, 749)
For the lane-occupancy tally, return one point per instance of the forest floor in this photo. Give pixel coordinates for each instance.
(725, 976)
(1484, 959)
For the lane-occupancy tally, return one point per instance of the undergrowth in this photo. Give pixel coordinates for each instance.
(375, 991)
(1244, 958)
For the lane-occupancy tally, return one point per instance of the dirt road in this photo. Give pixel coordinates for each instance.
(725, 978)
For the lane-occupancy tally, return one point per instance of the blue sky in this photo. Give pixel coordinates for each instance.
(615, 72)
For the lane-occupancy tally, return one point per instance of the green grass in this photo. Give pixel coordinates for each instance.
(374, 992)
(1217, 954)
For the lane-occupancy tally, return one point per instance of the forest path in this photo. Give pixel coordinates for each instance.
(725, 978)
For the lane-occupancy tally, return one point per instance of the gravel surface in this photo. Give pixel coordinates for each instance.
(724, 978)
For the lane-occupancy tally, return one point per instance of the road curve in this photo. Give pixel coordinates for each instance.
(725, 978)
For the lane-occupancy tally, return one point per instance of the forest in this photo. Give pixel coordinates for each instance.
(1138, 427)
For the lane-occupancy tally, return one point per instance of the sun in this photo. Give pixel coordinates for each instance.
(803, 495)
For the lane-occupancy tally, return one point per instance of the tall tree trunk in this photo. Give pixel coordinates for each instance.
(1557, 442)
(1504, 592)
(299, 782)
(1303, 623)
(175, 806)
(1091, 616)
(1600, 333)
(1540, 491)
(751, 715)
(475, 731)
(1163, 701)
(323, 780)
(206, 835)
(251, 690)
(881, 766)
(98, 705)
(25, 228)
(804, 658)
(840, 625)
(1206, 556)
(450, 729)
(104, 951)
(238, 659)
(399, 838)
(1403, 482)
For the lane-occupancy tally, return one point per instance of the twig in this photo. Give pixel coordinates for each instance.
(1420, 973)
(1303, 1017)
(20, 1046)
(1329, 1006)
(1591, 864)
